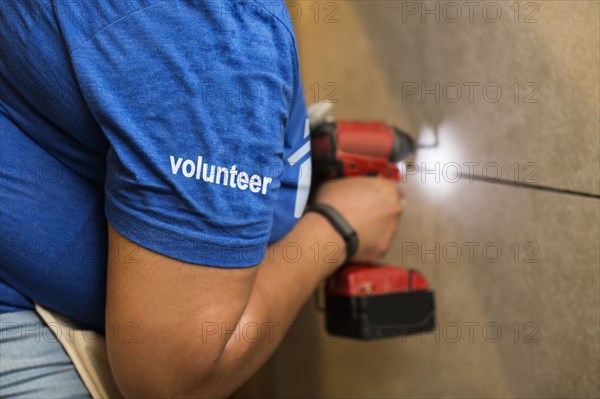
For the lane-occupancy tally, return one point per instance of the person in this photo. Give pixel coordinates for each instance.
(154, 178)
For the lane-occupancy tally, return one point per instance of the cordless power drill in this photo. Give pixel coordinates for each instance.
(362, 300)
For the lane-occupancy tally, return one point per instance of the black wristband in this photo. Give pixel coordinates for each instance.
(340, 225)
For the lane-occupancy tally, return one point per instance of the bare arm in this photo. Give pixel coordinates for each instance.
(183, 312)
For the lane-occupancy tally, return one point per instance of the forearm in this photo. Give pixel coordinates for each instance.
(290, 272)
(196, 327)
(202, 331)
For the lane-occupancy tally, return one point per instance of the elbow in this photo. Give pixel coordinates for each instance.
(145, 372)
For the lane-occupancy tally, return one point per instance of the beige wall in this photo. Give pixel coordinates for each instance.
(375, 52)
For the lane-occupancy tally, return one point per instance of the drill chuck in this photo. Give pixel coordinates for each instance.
(404, 146)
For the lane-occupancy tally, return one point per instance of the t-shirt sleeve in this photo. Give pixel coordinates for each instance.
(194, 101)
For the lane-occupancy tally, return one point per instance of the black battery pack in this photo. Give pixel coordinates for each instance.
(380, 316)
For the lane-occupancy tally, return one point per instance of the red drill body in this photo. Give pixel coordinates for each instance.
(366, 301)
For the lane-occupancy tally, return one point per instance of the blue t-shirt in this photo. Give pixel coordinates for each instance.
(182, 123)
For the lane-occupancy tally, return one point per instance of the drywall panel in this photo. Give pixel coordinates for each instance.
(512, 84)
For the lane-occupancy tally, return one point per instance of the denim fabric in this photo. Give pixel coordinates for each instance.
(33, 364)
